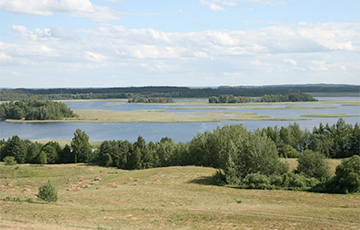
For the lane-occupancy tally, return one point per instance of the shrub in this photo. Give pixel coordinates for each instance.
(47, 192)
(297, 181)
(10, 160)
(257, 181)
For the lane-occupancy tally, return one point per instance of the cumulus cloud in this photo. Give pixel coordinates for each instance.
(212, 5)
(272, 51)
(75, 8)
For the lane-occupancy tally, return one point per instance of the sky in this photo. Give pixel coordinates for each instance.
(197, 43)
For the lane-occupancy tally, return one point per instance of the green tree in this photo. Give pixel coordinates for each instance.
(51, 154)
(313, 164)
(42, 159)
(81, 147)
(66, 155)
(347, 175)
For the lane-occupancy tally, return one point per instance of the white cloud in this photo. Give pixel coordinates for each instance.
(273, 51)
(290, 61)
(212, 5)
(94, 57)
(178, 11)
(268, 2)
(75, 8)
(4, 57)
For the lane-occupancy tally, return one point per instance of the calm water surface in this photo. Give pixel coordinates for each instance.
(177, 131)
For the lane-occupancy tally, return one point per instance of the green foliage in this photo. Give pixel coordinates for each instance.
(257, 181)
(10, 160)
(287, 151)
(347, 177)
(150, 100)
(81, 147)
(47, 192)
(51, 154)
(229, 98)
(35, 110)
(42, 158)
(287, 97)
(313, 164)
(174, 92)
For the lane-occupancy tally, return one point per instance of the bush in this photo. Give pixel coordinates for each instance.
(10, 160)
(257, 181)
(47, 192)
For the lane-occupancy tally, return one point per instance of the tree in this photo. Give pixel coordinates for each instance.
(81, 147)
(42, 159)
(347, 175)
(66, 155)
(51, 154)
(15, 147)
(313, 164)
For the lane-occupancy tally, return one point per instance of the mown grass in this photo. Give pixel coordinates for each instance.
(163, 198)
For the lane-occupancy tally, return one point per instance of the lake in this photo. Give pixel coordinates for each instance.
(176, 131)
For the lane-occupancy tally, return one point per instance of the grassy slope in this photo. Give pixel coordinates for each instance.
(162, 198)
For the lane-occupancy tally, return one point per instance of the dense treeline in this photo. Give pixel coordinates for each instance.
(243, 158)
(289, 97)
(150, 100)
(292, 97)
(229, 98)
(34, 110)
(174, 92)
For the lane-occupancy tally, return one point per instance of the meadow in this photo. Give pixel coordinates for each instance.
(92, 197)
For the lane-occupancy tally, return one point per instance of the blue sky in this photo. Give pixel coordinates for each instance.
(118, 43)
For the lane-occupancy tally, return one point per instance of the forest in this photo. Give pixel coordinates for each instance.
(34, 110)
(289, 97)
(150, 100)
(243, 158)
(167, 91)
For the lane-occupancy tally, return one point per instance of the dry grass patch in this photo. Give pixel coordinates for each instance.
(172, 198)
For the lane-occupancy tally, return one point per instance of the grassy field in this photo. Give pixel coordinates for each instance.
(161, 198)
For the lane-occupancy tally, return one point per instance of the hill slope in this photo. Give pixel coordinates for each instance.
(92, 197)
